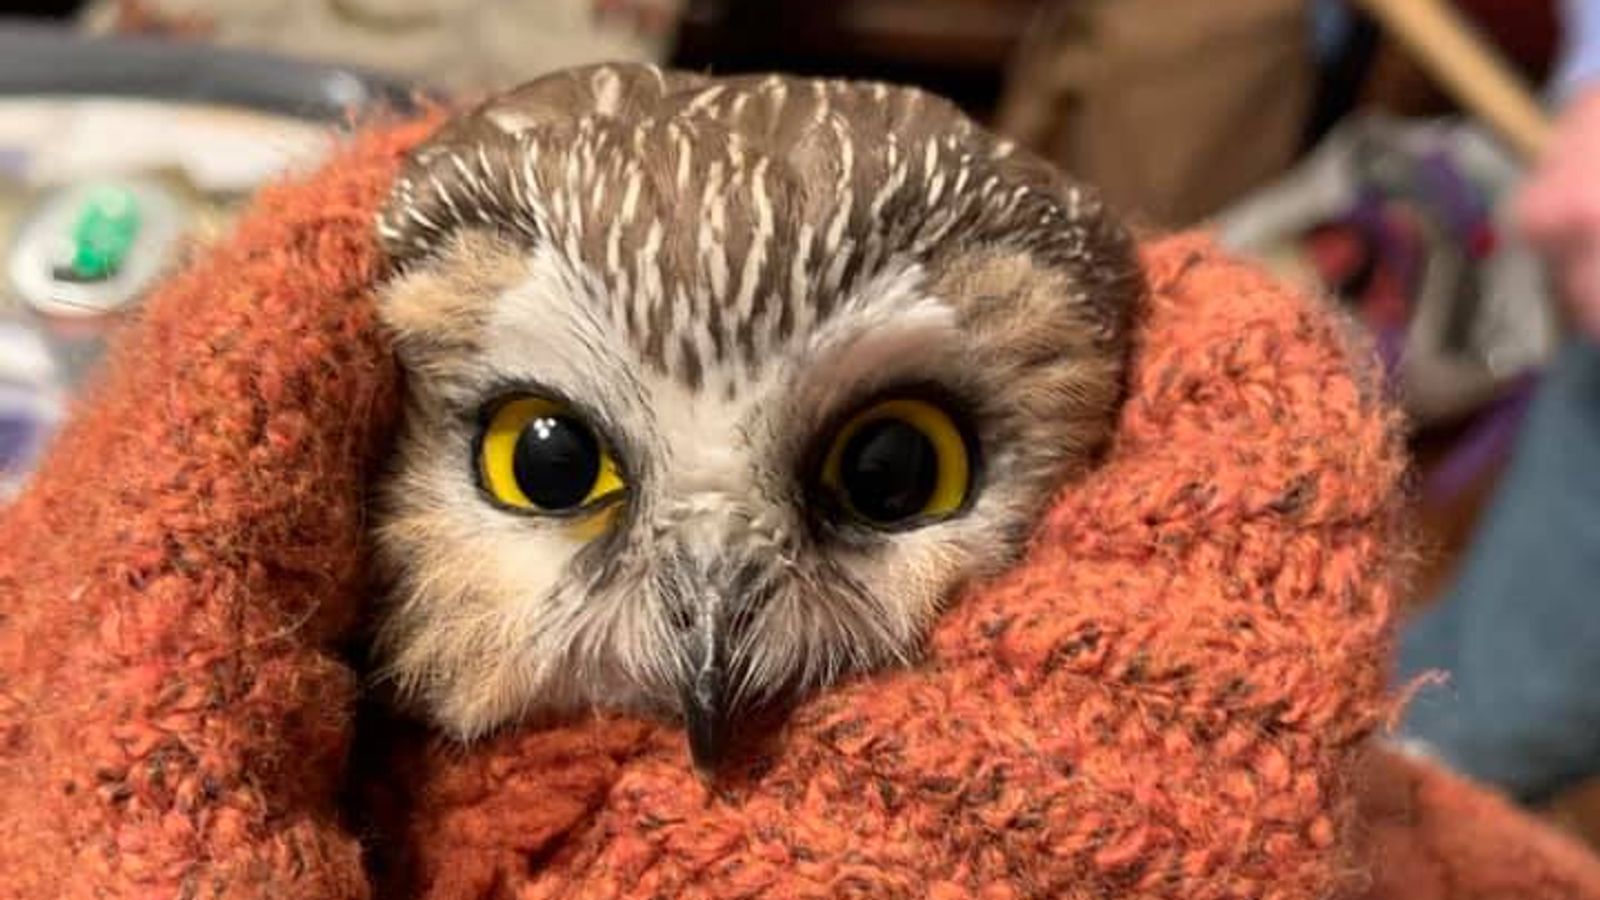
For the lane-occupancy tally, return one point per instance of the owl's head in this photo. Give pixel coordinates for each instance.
(719, 388)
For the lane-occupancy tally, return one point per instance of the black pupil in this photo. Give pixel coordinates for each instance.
(556, 461)
(889, 470)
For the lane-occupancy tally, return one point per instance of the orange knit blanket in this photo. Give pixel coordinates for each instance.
(1175, 695)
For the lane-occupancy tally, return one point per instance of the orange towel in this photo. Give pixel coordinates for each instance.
(1174, 695)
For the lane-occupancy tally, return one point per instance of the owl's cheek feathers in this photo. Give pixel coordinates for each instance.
(494, 619)
(471, 590)
(722, 284)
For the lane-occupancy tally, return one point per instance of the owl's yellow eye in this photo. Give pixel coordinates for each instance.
(538, 455)
(899, 462)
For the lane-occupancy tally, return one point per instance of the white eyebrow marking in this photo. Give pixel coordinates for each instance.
(647, 290)
(705, 98)
(755, 255)
(607, 86)
(444, 197)
(681, 142)
(710, 237)
(799, 263)
(834, 238)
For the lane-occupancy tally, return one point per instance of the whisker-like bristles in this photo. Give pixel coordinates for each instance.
(713, 275)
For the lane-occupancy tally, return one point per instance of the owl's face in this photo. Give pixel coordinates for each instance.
(718, 389)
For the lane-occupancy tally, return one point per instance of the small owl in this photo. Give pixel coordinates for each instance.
(719, 388)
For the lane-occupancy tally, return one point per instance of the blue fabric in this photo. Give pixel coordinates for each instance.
(1580, 62)
(1519, 634)
(1330, 27)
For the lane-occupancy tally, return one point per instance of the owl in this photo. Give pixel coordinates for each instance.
(718, 389)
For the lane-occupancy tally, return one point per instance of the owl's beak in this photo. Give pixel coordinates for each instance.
(714, 591)
(705, 714)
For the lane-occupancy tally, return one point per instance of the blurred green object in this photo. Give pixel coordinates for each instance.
(116, 154)
(103, 234)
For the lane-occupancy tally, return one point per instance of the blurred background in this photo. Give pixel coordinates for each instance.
(1348, 146)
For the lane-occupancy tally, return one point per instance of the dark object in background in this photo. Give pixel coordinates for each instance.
(1526, 32)
(1341, 74)
(1173, 110)
(51, 61)
(41, 9)
(958, 48)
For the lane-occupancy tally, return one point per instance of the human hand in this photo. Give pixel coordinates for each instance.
(1559, 209)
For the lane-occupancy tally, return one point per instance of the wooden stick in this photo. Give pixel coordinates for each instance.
(1467, 67)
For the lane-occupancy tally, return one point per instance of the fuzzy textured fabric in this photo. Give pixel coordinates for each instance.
(1174, 695)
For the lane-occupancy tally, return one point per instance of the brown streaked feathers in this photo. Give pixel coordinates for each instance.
(759, 201)
(717, 272)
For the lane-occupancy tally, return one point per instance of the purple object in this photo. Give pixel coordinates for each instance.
(1486, 441)
(1580, 64)
(1457, 203)
(19, 436)
(14, 162)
